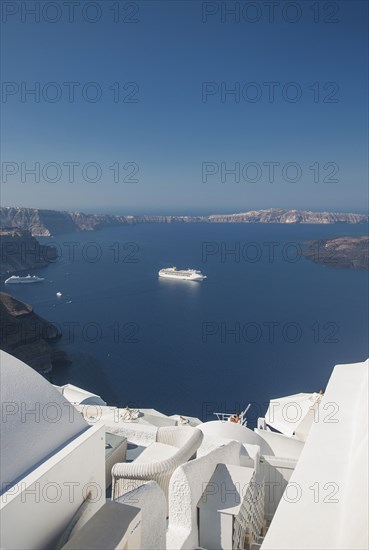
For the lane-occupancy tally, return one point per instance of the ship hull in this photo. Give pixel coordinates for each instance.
(21, 282)
(196, 278)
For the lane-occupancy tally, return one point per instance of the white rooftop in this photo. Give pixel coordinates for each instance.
(320, 483)
(36, 419)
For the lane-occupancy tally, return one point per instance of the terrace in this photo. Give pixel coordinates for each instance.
(176, 482)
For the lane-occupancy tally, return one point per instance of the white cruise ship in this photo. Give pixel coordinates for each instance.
(15, 280)
(182, 274)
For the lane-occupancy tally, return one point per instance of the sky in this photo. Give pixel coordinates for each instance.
(132, 109)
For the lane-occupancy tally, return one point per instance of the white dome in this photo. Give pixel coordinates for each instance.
(36, 419)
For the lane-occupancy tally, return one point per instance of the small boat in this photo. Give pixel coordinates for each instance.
(59, 294)
(15, 280)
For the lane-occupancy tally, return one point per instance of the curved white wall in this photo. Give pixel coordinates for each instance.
(186, 486)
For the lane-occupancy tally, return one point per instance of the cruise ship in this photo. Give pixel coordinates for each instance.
(182, 274)
(15, 279)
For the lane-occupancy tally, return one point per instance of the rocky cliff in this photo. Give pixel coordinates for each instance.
(44, 223)
(52, 222)
(280, 215)
(20, 251)
(28, 336)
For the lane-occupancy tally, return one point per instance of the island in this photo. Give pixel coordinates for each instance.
(340, 252)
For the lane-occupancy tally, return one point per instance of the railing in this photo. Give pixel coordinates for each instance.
(232, 417)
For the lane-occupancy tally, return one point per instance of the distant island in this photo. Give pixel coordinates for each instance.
(45, 223)
(347, 252)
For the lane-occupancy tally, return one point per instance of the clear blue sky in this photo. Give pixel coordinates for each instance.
(172, 49)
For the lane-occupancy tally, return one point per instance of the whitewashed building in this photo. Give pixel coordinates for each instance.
(179, 483)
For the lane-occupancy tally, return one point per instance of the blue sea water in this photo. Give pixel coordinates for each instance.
(262, 325)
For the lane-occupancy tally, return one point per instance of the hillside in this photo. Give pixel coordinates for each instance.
(20, 251)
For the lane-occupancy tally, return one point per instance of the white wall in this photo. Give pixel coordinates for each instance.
(355, 492)
(280, 445)
(276, 473)
(153, 505)
(326, 503)
(40, 506)
(186, 487)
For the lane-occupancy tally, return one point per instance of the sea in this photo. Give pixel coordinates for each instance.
(265, 323)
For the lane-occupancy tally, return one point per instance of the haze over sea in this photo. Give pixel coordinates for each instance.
(149, 342)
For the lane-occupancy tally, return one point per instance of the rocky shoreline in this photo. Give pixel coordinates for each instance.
(28, 336)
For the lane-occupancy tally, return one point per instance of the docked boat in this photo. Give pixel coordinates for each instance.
(182, 274)
(16, 280)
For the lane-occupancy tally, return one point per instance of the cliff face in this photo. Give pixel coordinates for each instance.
(280, 215)
(348, 252)
(91, 222)
(19, 251)
(44, 223)
(51, 222)
(27, 336)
